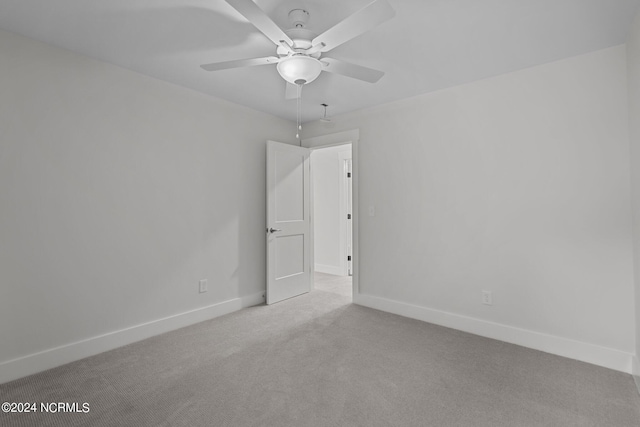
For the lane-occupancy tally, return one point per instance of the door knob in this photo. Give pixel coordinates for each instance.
(273, 230)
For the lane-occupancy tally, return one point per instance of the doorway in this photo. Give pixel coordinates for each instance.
(332, 225)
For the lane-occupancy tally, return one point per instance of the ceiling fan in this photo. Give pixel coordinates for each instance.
(299, 51)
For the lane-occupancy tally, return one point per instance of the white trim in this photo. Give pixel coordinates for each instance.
(343, 156)
(635, 371)
(329, 269)
(355, 207)
(53, 357)
(590, 353)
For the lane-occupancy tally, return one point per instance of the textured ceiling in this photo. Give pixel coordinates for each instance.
(429, 45)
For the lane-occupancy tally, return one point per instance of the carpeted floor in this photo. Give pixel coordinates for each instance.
(317, 360)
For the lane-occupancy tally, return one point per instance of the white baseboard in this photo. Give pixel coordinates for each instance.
(51, 358)
(585, 352)
(329, 269)
(635, 371)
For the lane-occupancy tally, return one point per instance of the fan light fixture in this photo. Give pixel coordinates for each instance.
(299, 69)
(298, 48)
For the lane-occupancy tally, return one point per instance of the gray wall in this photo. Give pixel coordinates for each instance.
(118, 193)
(633, 64)
(517, 184)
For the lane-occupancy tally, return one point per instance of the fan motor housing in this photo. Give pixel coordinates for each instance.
(301, 41)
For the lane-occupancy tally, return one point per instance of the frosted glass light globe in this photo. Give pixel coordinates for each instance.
(299, 69)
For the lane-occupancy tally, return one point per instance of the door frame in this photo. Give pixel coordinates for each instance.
(331, 140)
(346, 210)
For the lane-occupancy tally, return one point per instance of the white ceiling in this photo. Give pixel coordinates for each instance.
(429, 45)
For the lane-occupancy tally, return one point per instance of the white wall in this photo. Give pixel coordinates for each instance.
(633, 73)
(329, 238)
(118, 193)
(518, 184)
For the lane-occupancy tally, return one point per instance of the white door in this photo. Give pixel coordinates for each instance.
(288, 221)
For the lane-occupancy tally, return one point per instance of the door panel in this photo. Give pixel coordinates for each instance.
(288, 221)
(289, 259)
(289, 190)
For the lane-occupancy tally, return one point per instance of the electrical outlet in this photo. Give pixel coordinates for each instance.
(487, 297)
(203, 285)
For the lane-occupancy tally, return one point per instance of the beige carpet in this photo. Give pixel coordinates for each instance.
(340, 285)
(317, 360)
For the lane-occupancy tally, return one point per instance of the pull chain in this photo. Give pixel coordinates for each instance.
(299, 115)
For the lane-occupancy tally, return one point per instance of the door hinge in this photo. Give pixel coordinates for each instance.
(348, 216)
(349, 258)
(348, 174)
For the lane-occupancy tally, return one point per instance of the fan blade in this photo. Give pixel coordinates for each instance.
(360, 22)
(291, 91)
(240, 63)
(261, 21)
(351, 70)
